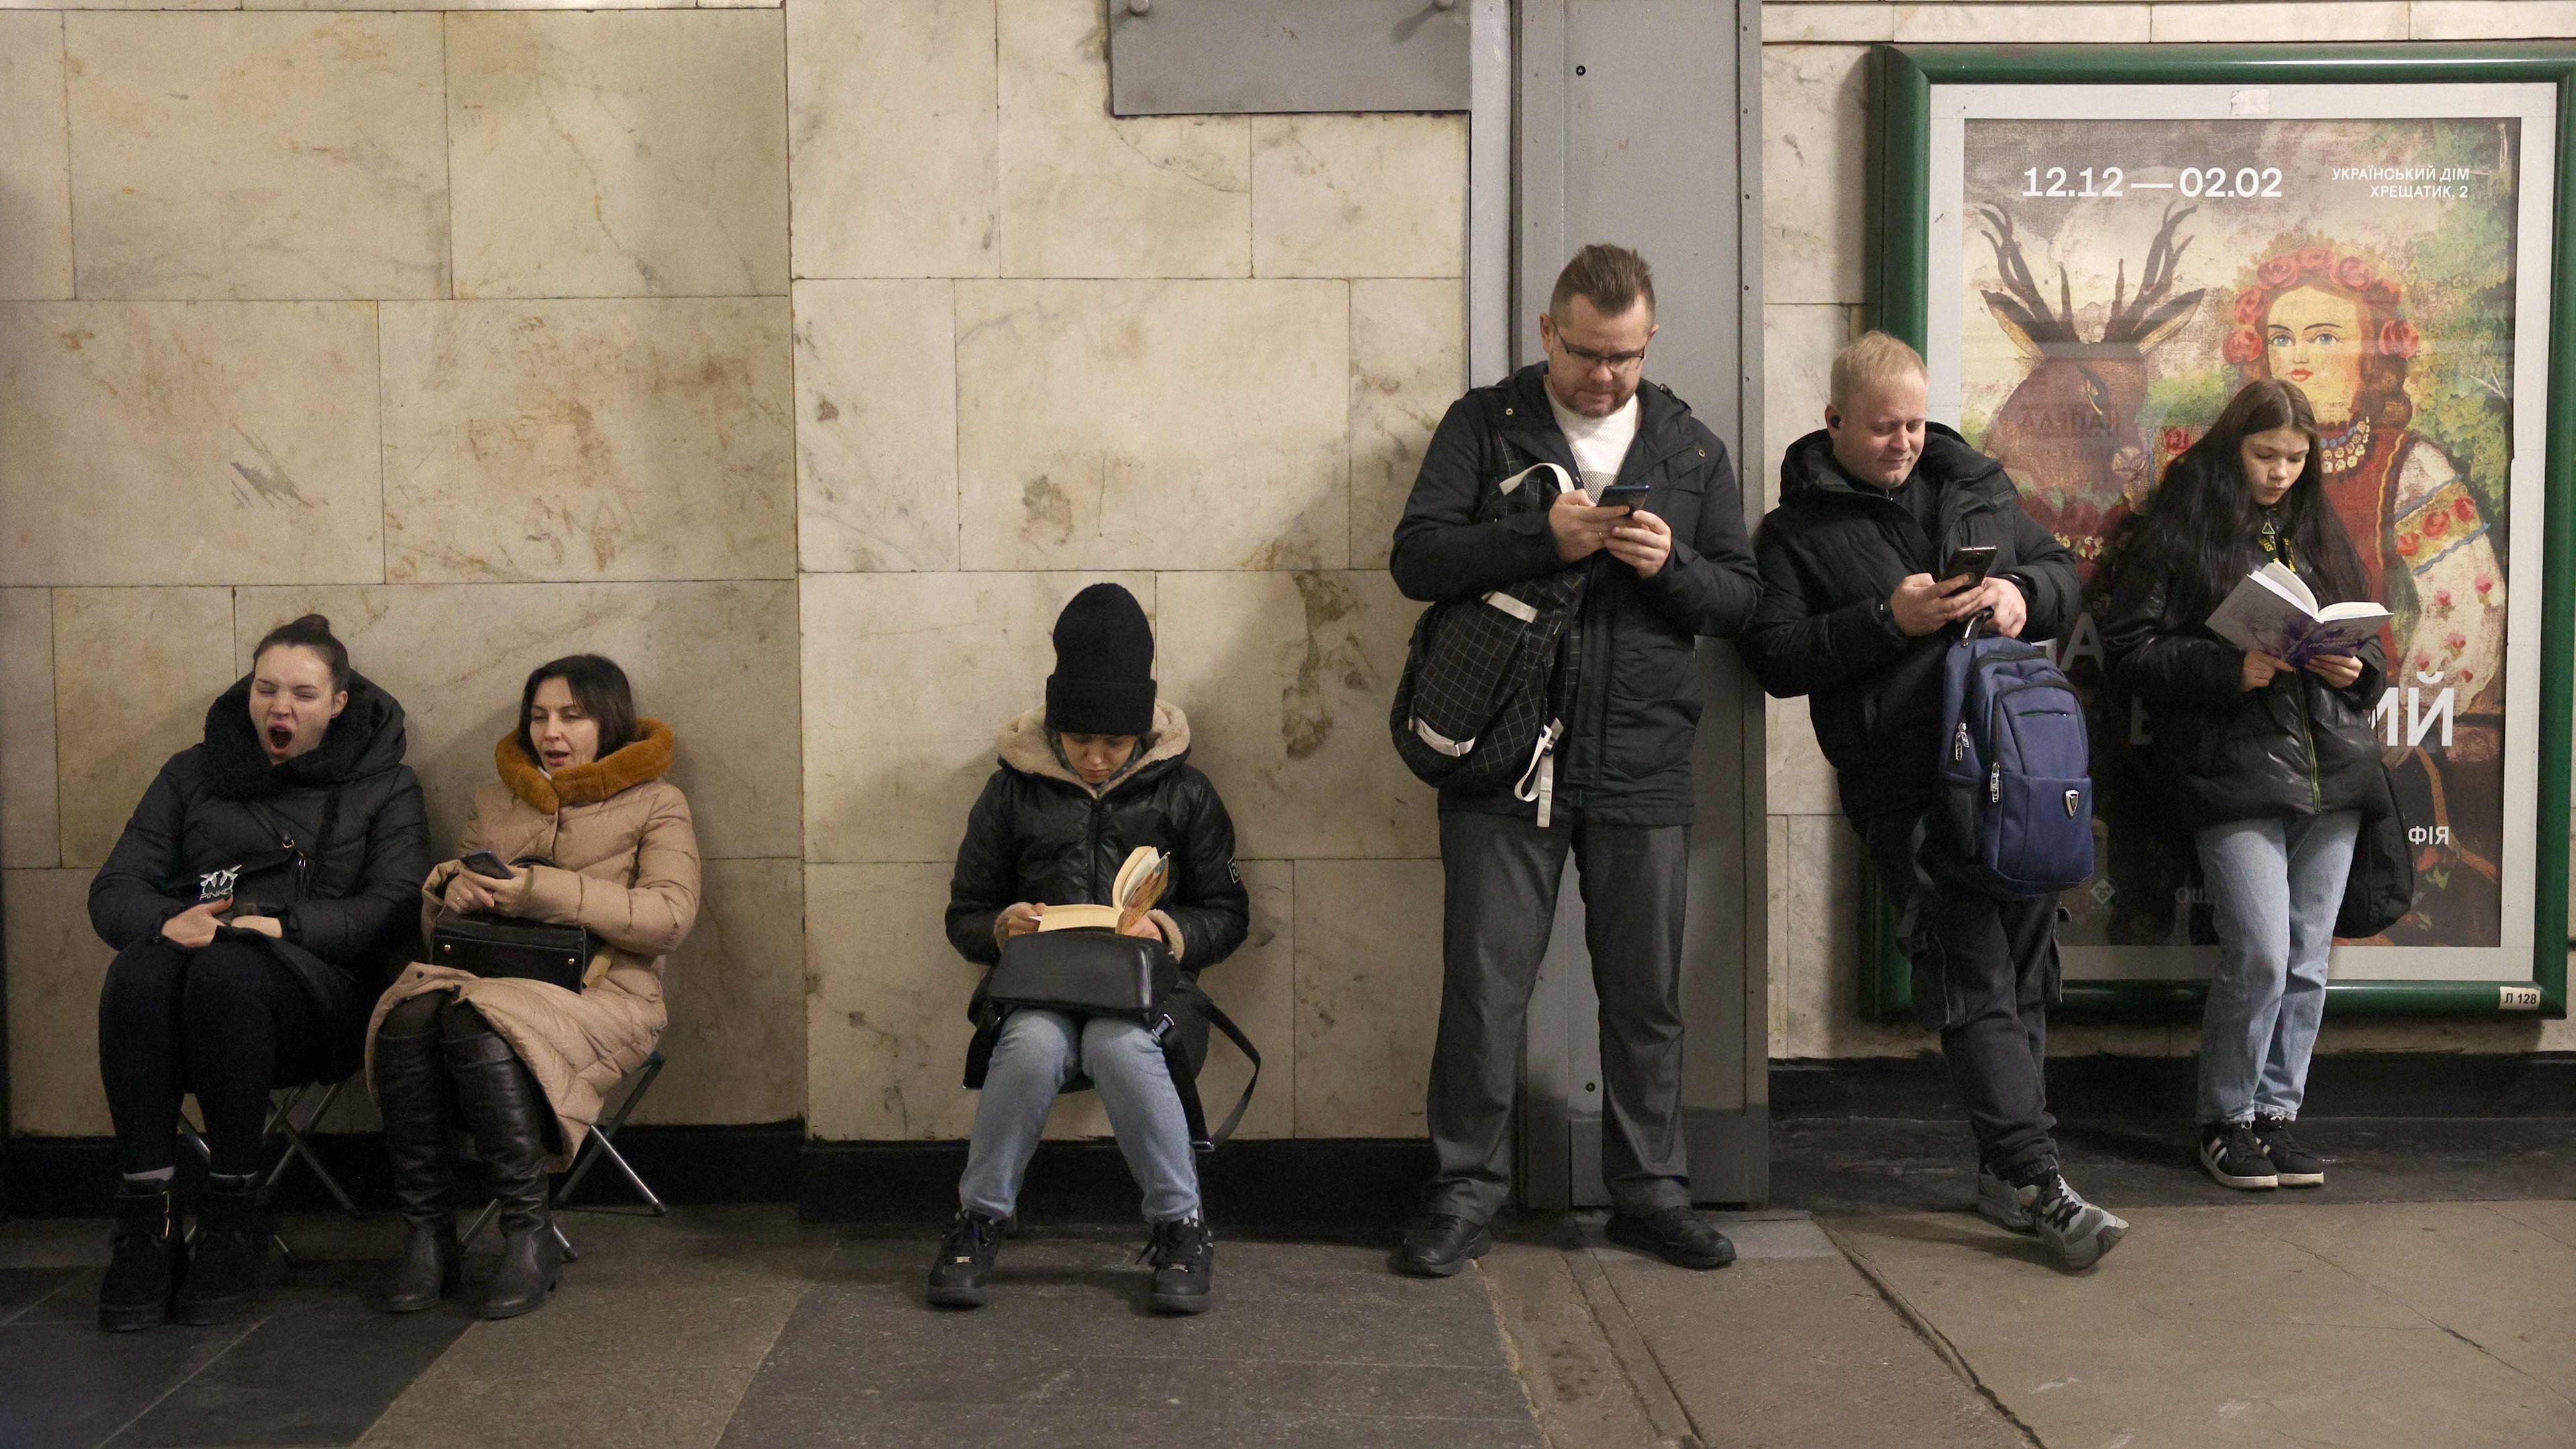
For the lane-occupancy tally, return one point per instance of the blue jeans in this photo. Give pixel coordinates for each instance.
(2274, 888)
(1038, 1053)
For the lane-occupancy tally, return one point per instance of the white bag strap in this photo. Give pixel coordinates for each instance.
(1454, 749)
(1526, 613)
(1538, 782)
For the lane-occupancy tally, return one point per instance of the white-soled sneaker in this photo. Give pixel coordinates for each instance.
(2233, 1157)
(2075, 1230)
(2000, 1203)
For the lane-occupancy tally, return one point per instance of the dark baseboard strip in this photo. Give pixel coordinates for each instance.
(2343, 1084)
(53, 1177)
(1319, 1186)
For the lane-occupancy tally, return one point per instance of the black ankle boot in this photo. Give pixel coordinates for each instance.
(148, 1252)
(228, 1262)
(418, 1101)
(507, 1113)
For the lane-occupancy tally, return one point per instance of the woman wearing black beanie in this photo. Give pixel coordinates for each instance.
(1101, 769)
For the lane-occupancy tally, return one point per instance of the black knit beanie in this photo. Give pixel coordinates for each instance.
(1104, 666)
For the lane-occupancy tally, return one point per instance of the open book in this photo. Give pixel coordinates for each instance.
(1139, 885)
(2274, 612)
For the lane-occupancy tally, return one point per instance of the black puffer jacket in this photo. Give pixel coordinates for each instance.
(1038, 834)
(1636, 697)
(1832, 553)
(351, 805)
(2223, 752)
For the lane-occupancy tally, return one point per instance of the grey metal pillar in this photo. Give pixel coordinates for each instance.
(1639, 121)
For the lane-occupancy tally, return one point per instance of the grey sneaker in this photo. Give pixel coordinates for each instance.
(1999, 1203)
(2075, 1230)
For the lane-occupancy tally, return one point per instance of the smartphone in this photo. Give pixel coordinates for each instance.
(485, 863)
(1971, 560)
(1624, 495)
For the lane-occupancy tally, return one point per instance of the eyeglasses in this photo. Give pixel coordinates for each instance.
(1615, 361)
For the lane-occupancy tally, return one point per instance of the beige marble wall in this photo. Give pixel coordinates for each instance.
(1815, 103)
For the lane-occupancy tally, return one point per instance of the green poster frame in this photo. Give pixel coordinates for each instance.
(1899, 187)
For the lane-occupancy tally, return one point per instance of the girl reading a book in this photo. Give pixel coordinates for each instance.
(2269, 768)
(1101, 769)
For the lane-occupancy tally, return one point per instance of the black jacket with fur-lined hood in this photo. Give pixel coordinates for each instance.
(349, 804)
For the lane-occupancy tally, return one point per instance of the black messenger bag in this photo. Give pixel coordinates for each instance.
(1101, 973)
(508, 946)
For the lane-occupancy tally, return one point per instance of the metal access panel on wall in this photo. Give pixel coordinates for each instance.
(1227, 57)
(1638, 122)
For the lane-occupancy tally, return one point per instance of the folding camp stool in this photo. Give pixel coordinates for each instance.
(597, 1145)
(285, 1135)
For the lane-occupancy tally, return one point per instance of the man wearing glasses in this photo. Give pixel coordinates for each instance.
(1656, 522)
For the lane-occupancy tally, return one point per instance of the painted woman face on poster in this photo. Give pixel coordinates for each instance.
(2123, 278)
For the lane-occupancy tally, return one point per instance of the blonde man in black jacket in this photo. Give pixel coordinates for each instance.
(1665, 570)
(1856, 615)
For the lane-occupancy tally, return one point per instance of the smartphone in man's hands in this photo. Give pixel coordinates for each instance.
(1969, 561)
(1631, 496)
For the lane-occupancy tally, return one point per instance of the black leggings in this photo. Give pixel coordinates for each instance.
(438, 1011)
(228, 1022)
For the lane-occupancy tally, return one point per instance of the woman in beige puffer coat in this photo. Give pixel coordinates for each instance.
(595, 837)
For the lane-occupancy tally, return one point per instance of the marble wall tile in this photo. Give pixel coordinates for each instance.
(467, 4)
(876, 426)
(35, 159)
(1084, 194)
(55, 966)
(258, 155)
(1359, 196)
(885, 999)
(1287, 679)
(1408, 364)
(1813, 24)
(608, 155)
(588, 440)
(893, 138)
(30, 829)
(1775, 919)
(1128, 424)
(1368, 995)
(1800, 779)
(2300, 20)
(157, 443)
(716, 661)
(736, 990)
(908, 678)
(1815, 123)
(2491, 19)
(134, 672)
(1798, 346)
(2044, 24)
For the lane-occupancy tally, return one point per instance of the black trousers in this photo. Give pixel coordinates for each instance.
(1984, 971)
(1502, 873)
(228, 1022)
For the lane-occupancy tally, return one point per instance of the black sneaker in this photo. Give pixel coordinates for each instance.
(965, 1261)
(1183, 1253)
(1437, 1245)
(1675, 1234)
(147, 1255)
(2294, 1165)
(2233, 1157)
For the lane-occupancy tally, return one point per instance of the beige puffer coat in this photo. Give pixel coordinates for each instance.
(624, 862)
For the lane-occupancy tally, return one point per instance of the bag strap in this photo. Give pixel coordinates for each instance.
(1211, 1141)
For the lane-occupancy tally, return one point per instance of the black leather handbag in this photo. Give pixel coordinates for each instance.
(508, 946)
(1086, 973)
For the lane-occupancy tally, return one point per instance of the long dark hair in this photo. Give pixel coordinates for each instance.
(2202, 522)
(598, 686)
(311, 631)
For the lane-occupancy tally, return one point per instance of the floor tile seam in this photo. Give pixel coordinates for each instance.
(742, 1390)
(1660, 1401)
(2491, 1206)
(249, 1326)
(1931, 1334)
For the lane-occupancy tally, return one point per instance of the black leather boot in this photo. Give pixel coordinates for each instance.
(501, 1104)
(228, 1262)
(148, 1251)
(418, 1101)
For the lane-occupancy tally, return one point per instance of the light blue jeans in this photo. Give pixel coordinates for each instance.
(1038, 1053)
(2274, 888)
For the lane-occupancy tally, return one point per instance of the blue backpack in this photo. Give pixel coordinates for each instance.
(2015, 788)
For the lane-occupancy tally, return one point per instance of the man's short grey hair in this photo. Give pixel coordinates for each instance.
(1609, 277)
(1873, 358)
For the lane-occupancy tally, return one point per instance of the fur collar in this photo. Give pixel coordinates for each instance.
(1026, 746)
(645, 760)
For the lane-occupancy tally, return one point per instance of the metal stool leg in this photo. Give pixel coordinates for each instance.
(602, 1144)
(297, 1145)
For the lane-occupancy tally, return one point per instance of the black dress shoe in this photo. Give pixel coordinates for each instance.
(1677, 1235)
(1437, 1245)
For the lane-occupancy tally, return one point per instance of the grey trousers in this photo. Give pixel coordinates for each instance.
(1502, 875)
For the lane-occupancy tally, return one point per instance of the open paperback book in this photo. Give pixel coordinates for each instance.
(2274, 612)
(1139, 885)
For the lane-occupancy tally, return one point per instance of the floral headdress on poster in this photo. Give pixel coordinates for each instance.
(2388, 340)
